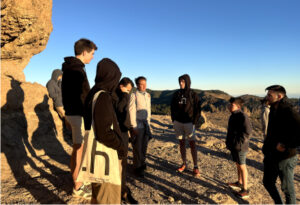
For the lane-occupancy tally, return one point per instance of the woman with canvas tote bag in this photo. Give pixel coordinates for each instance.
(105, 126)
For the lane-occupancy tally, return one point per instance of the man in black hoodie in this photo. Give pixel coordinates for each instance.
(185, 111)
(75, 87)
(279, 147)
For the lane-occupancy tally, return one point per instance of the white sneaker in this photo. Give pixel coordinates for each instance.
(83, 192)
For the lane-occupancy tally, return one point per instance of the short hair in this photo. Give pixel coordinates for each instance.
(137, 80)
(264, 101)
(125, 81)
(277, 88)
(238, 101)
(84, 45)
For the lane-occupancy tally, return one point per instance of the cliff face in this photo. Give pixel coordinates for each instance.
(27, 115)
(25, 30)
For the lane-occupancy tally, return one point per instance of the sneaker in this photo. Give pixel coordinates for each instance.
(243, 194)
(182, 168)
(235, 185)
(83, 192)
(196, 172)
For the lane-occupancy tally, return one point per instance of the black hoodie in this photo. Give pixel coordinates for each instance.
(185, 106)
(284, 128)
(75, 86)
(107, 79)
(54, 88)
(238, 132)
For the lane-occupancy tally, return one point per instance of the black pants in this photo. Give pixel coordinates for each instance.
(124, 188)
(285, 170)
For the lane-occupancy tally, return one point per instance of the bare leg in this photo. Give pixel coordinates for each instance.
(194, 151)
(182, 150)
(75, 164)
(244, 176)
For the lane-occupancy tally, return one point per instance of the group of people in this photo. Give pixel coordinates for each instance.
(119, 116)
(281, 132)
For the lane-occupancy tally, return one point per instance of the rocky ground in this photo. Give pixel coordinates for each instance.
(45, 178)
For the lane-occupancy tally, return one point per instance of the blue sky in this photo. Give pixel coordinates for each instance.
(237, 46)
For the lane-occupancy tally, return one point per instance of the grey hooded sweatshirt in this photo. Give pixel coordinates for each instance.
(54, 88)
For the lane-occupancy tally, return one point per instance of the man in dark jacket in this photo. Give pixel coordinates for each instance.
(279, 147)
(121, 104)
(75, 87)
(237, 141)
(185, 111)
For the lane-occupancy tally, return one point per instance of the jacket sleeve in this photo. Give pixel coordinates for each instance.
(103, 121)
(247, 127)
(292, 139)
(132, 110)
(149, 109)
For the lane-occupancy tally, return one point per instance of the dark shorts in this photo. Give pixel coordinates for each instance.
(239, 157)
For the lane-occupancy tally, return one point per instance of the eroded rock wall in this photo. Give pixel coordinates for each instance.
(27, 115)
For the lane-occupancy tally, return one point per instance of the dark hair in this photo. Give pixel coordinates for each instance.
(238, 101)
(137, 80)
(264, 101)
(277, 88)
(84, 45)
(125, 81)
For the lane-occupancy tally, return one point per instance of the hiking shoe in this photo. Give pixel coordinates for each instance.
(196, 172)
(182, 168)
(243, 194)
(235, 185)
(83, 192)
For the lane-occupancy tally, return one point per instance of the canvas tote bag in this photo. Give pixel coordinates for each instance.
(100, 164)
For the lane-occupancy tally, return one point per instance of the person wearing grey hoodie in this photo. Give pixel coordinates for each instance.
(54, 90)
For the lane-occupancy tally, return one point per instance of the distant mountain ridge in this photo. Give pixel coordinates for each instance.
(211, 101)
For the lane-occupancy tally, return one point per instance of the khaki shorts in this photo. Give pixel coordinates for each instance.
(77, 126)
(184, 130)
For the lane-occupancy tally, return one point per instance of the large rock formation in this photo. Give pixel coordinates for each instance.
(27, 116)
(25, 30)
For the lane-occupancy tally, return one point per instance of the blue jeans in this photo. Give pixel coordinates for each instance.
(285, 170)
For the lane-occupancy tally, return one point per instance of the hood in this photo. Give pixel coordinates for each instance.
(187, 80)
(55, 74)
(108, 75)
(72, 63)
(107, 78)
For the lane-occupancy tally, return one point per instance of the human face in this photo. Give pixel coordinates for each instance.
(59, 77)
(88, 56)
(126, 89)
(273, 96)
(182, 84)
(233, 107)
(142, 85)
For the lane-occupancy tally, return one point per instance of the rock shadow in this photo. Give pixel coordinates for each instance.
(15, 146)
(45, 136)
